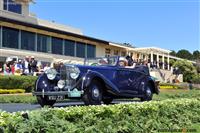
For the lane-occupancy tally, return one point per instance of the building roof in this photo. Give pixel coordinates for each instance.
(154, 49)
(128, 47)
(43, 27)
(31, 18)
(24, 1)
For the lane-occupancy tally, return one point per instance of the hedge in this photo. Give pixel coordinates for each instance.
(170, 86)
(196, 79)
(144, 117)
(22, 82)
(13, 91)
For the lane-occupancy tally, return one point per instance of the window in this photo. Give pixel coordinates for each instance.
(116, 52)
(27, 40)
(42, 43)
(57, 45)
(10, 37)
(69, 48)
(123, 53)
(11, 6)
(107, 51)
(80, 50)
(91, 51)
(5, 4)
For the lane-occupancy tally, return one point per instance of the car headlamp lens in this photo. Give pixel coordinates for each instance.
(61, 84)
(74, 73)
(51, 74)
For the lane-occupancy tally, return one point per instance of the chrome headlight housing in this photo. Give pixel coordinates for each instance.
(61, 84)
(74, 72)
(51, 74)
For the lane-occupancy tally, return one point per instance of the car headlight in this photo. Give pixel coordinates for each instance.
(51, 74)
(61, 84)
(75, 73)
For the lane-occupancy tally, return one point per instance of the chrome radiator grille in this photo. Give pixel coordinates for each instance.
(65, 75)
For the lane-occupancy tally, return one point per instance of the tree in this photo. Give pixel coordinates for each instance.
(173, 53)
(172, 61)
(185, 54)
(186, 68)
(196, 55)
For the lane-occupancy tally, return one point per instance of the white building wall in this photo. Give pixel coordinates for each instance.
(28, 18)
(1, 4)
(25, 9)
(100, 50)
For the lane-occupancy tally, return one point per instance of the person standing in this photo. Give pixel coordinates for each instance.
(6, 69)
(12, 66)
(130, 60)
(46, 67)
(25, 66)
(33, 64)
(18, 68)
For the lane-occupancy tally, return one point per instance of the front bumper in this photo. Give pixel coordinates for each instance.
(70, 94)
(59, 93)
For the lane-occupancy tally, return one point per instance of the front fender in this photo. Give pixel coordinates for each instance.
(43, 83)
(90, 75)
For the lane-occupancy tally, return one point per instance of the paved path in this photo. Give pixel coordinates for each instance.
(14, 107)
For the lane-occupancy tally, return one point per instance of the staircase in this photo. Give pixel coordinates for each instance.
(165, 76)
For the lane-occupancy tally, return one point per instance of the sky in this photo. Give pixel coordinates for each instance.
(168, 24)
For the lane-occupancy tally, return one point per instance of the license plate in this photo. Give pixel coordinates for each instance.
(56, 97)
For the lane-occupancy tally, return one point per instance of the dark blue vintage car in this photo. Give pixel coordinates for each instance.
(98, 80)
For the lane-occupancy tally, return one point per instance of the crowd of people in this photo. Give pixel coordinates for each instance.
(30, 66)
(27, 66)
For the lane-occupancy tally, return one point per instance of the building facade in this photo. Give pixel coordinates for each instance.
(23, 34)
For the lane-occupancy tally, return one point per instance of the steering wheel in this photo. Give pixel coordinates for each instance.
(94, 64)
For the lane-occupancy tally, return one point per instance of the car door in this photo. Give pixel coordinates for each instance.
(137, 81)
(123, 80)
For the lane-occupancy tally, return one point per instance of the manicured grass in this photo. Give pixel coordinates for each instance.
(164, 94)
(18, 98)
(177, 93)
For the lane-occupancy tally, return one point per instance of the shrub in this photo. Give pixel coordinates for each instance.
(186, 68)
(23, 82)
(170, 86)
(196, 79)
(13, 91)
(122, 118)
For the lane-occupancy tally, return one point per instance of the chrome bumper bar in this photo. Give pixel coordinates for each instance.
(50, 93)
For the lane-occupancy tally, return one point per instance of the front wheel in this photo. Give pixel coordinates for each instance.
(44, 101)
(148, 94)
(93, 94)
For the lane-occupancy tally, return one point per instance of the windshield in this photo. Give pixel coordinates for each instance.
(101, 61)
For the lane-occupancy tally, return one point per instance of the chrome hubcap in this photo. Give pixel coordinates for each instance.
(148, 91)
(96, 92)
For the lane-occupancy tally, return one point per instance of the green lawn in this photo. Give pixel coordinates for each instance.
(164, 94)
(177, 93)
(22, 98)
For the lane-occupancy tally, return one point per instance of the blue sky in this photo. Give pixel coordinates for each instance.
(169, 24)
